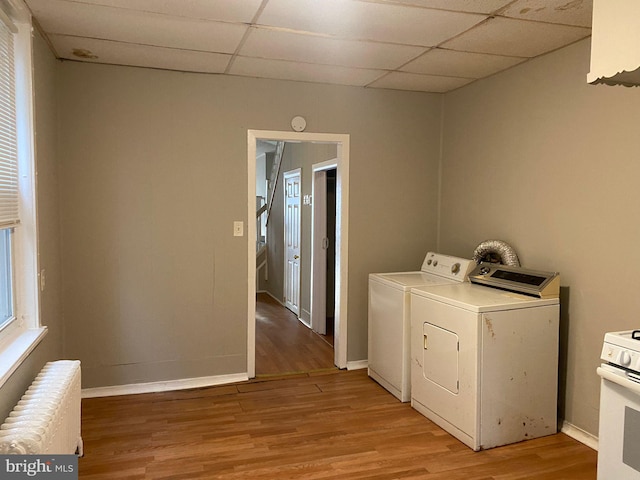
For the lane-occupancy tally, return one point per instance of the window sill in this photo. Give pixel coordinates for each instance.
(18, 350)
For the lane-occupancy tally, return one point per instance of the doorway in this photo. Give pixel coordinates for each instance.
(323, 246)
(341, 241)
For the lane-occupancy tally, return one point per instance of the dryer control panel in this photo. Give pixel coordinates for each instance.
(517, 279)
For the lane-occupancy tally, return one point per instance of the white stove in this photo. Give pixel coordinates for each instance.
(622, 349)
(619, 435)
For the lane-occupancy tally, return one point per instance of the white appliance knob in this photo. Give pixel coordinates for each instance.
(455, 268)
(624, 358)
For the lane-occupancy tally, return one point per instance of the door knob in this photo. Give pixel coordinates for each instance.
(295, 257)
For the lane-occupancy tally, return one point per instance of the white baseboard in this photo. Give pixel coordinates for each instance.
(357, 365)
(273, 296)
(164, 386)
(580, 435)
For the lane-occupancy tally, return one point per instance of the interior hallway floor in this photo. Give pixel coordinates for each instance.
(284, 345)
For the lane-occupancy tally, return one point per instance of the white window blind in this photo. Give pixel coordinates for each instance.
(8, 136)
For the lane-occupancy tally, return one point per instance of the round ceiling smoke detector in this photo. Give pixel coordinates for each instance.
(83, 53)
(298, 123)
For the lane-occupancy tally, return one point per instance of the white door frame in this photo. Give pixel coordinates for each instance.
(318, 251)
(342, 236)
(295, 287)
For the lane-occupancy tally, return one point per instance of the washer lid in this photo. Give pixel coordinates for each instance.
(477, 298)
(408, 280)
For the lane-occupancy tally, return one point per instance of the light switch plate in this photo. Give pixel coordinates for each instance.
(238, 229)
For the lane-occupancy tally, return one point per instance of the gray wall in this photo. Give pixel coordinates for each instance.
(538, 158)
(153, 171)
(45, 86)
(304, 156)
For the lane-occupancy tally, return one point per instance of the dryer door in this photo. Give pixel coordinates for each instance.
(440, 356)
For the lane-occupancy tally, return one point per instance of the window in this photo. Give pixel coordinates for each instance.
(6, 278)
(9, 217)
(20, 329)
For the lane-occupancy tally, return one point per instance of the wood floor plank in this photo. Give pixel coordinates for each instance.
(284, 344)
(301, 418)
(333, 426)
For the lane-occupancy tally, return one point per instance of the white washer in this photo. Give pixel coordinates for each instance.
(484, 361)
(389, 317)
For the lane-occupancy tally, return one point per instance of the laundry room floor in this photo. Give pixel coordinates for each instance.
(329, 425)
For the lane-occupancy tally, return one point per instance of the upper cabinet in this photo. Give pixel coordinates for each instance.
(615, 43)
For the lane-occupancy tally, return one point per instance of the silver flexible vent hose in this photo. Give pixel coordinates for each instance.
(496, 251)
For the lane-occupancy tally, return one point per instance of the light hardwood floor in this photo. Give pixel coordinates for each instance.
(327, 425)
(284, 345)
(323, 424)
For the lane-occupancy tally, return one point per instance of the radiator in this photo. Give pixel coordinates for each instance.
(46, 420)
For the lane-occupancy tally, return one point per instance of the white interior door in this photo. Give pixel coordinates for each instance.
(292, 240)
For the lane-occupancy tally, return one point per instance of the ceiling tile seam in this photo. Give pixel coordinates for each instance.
(414, 59)
(283, 79)
(389, 72)
(439, 46)
(439, 9)
(504, 8)
(141, 44)
(479, 24)
(340, 38)
(323, 82)
(525, 60)
(159, 14)
(499, 13)
(542, 22)
(386, 74)
(496, 13)
(298, 62)
(444, 49)
(384, 71)
(246, 35)
(399, 69)
(115, 64)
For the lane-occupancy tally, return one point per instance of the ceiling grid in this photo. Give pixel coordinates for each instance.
(419, 45)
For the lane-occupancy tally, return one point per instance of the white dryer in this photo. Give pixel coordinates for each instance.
(389, 317)
(484, 361)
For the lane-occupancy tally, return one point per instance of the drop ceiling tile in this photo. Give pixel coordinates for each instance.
(305, 72)
(420, 83)
(516, 38)
(108, 23)
(476, 6)
(221, 10)
(460, 64)
(380, 22)
(139, 55)
(279, 45)
(574, 12)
